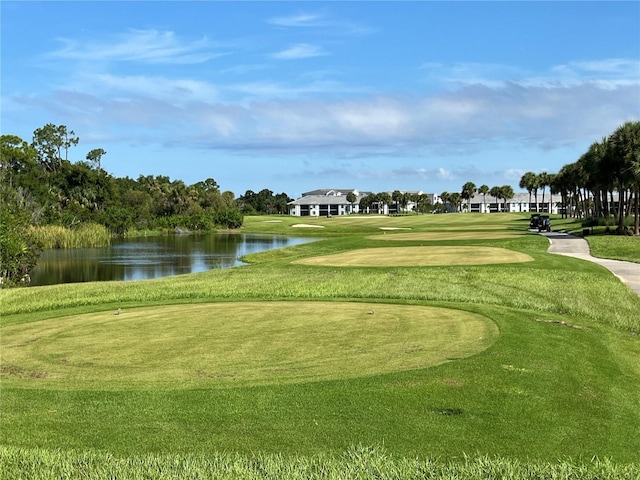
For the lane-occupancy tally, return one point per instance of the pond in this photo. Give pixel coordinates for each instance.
(153, 257)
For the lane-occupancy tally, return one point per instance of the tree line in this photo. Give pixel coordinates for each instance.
(586, 187)
(41, 186)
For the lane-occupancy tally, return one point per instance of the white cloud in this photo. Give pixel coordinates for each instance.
(298, 20)
(300, 50)
(147, 46)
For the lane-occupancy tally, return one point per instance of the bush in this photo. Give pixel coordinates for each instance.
(229, 218)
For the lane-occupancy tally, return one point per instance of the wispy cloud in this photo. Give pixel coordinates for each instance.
(299, 51)
(320, 21)
(299, 20)
(147, 46)
(607, 73)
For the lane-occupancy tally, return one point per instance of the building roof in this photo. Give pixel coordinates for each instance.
(324, 200)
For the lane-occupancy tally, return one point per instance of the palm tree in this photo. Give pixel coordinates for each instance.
(496, 193)
(507, 193)
(483, 190)
(455, 199)
(625, 145)
(543, 181)
(529, 182)
(468, 190)
(444, 196)
(351, 198)
(384, 199)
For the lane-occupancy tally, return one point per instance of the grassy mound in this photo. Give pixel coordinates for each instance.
(231, 344)
(418, 257)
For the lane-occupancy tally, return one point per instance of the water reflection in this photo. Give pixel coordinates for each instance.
(153, 257)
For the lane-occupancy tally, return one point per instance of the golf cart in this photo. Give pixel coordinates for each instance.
(544, 224)
(534, 222)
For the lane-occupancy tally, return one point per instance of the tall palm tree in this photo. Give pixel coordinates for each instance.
(444, 196)
(625, 144)
(497, 194)
(468, 190)
(530, 183)
(507, 193)
(543, 181)
(483, 190)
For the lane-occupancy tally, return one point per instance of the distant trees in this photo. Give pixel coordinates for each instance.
(67, 193)
(587, 186)
(263, 202)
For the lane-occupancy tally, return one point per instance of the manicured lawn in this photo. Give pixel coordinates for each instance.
(516, 364)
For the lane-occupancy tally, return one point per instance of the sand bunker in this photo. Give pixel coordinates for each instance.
(418, 257)
(395, 228)
(306, 225)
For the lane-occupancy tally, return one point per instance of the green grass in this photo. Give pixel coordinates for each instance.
(354, 464)
(556, 389)
(617, 247)
(229, 344)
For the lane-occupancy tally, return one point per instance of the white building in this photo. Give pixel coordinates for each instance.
(325, 202)
(519, 203)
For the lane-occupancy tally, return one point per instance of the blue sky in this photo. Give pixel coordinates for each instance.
(294, 96)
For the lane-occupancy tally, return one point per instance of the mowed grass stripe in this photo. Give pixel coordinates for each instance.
(418, 257)
(239, 343)
(448, 235)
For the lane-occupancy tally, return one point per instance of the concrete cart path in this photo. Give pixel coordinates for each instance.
(564, 244)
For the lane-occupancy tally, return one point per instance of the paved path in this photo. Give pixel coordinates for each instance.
(564, 244)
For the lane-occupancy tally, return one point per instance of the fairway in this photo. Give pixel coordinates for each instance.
(418, 257)
(240, 343)
(447, 235)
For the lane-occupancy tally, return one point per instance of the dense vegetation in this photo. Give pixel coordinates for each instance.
(41, 188)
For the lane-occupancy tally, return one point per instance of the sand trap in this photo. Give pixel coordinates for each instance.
(418, 257)
(306, 225)
(395, 228)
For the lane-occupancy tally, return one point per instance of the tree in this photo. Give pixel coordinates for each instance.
(625, 146)
(529, 182)
(468, 191)
(506, 193)
(396, 196)
(95, 156)
(351, 198)
(49, 141)
(16, 157)
(455, 199)
(497, 194)
(444, 196)
(543, 181)
(483, 190)
(383, 199)
(18, 251)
